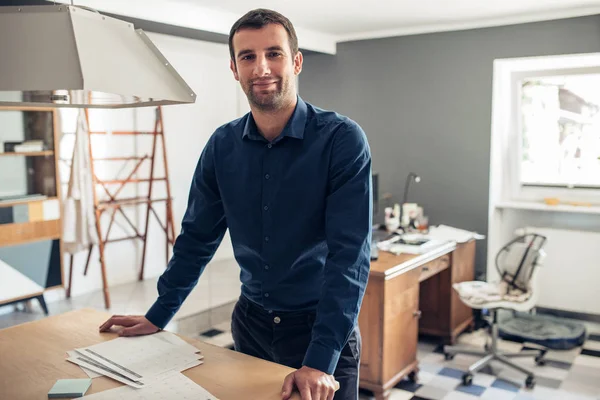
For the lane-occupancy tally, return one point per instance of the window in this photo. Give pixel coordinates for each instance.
(560, 131)
(545, 139)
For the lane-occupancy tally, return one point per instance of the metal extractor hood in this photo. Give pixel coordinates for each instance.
(71, 56)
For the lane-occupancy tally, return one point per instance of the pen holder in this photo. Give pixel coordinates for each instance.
(392, 220)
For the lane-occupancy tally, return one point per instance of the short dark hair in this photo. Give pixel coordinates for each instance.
(259, 18)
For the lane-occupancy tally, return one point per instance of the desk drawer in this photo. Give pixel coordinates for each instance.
(434, 266)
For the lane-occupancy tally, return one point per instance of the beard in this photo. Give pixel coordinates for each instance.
(268, 99)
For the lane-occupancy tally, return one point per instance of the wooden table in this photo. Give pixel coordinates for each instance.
(406, 295)
(33, 357)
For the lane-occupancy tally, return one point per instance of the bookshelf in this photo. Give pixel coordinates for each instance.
(30, 204)
(28, 154)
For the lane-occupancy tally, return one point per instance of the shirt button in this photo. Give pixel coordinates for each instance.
(266, 238)
(266, 208)
(266, 267)
(277, 320)
(267, 176)
(269, 145)
(266, 294)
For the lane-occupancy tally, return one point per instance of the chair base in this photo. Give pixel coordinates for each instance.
(492, 353)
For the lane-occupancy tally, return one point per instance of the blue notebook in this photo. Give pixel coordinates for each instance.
(69, 388)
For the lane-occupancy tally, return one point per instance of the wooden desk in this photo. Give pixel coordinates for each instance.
(407, 295)
(32, 358)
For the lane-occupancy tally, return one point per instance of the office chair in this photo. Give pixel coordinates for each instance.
(517, 290)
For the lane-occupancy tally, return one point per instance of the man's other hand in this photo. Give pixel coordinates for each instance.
(311, 383)
(135, 325)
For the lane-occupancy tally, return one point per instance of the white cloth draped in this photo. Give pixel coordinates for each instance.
(79, 229)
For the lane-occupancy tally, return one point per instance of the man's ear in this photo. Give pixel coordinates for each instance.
(234, 70)
(298, 59)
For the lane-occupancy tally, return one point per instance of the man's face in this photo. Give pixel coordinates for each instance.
(265, 67)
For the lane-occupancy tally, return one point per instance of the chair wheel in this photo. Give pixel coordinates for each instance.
(470, 328)
(412, 376)
(540, 361)
(530, 382)
(467, 379)
(448, 356)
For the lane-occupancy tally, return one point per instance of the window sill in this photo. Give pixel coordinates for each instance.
(540, 206)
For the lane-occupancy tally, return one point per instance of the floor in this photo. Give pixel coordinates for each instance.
(568, 375)
(208, 304)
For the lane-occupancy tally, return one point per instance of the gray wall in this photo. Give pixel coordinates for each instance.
(425, 103)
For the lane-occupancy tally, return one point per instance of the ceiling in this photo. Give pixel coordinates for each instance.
(356, 18)
(322, 24)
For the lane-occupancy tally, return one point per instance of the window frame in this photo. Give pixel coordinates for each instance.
(531, 68)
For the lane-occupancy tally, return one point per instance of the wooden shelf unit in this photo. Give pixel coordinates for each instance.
(28, 153)
(26, 201)
(22, 233)
(40, 219)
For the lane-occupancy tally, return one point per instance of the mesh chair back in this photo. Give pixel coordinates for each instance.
(517, 260)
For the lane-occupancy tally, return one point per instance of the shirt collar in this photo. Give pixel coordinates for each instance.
(294, 127)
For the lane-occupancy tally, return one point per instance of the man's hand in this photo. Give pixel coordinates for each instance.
(134, 325)
(311, 383)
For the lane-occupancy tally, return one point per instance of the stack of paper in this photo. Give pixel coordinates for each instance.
(138, 361)
(409, 243)
(29, 145)
(173, 386)
(419, 243)
(448, 233)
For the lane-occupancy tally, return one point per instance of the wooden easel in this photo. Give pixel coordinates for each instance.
(116, 203)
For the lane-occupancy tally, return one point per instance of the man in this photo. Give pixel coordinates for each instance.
(293, 185)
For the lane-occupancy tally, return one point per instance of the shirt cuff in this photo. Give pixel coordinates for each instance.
(322, 358)
(159, 315)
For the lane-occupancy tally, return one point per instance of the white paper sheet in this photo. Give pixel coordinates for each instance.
(106, 372)
(103, 371)
(403, 244)
(89, 372)
(177, 341)
(444, 232)
(140, 358)
(398, 248)
(174, 386)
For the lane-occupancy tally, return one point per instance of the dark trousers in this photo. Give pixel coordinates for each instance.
(283, 337)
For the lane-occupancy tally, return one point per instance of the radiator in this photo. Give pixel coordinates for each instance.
(569, 280)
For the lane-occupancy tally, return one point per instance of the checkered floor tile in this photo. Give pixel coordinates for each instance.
(568, 375)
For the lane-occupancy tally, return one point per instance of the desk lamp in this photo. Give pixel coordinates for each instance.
(411, 176)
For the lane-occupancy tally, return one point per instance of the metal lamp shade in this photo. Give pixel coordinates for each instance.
(65, 56)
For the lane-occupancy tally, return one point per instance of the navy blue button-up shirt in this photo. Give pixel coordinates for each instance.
(299, 212)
